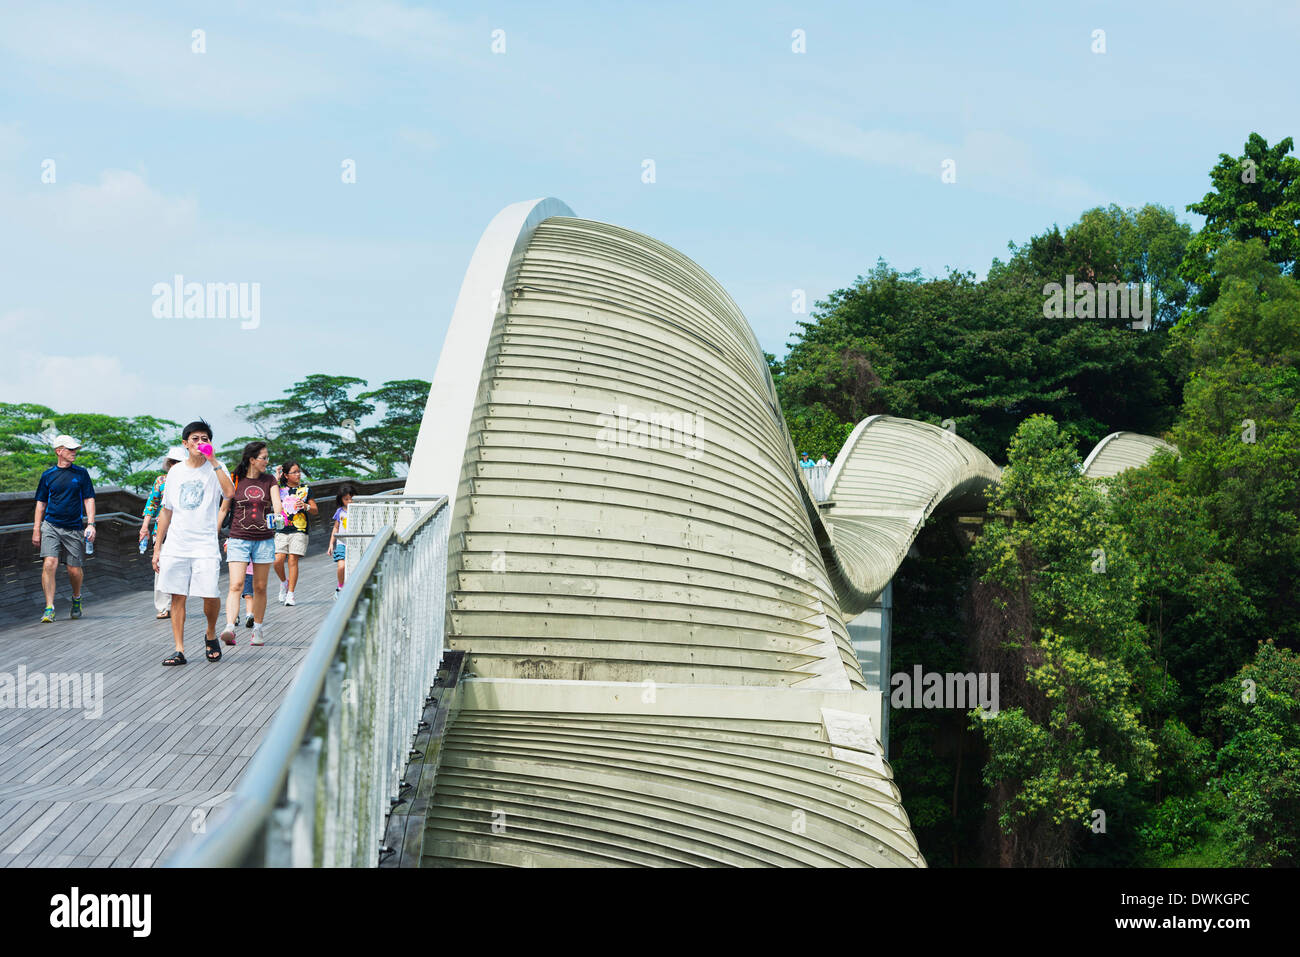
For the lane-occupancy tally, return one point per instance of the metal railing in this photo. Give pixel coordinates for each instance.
(319, 788)
(815, 478)
(370, 514)
(124, 518)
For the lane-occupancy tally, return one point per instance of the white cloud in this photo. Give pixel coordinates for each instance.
(88, 52)
(413, 30)
(11, 140)
(422, 140)
(985, 161)
(93, 382)
(119, 205)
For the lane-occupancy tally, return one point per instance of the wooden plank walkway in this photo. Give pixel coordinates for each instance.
(129, 787)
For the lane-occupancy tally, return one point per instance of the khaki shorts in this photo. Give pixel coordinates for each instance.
(68, 541)
(291, 544)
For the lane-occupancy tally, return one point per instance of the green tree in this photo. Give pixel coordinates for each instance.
(1259, 763)
(1254, 196)
(933, 751)
(121, 450)
(1239, 434)
(983, 354)
(1111, 244)
(24, 454)
(1198, 616)
(393, 437)
(320, 423)
(1058, 625)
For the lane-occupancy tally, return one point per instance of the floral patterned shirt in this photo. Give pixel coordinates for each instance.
(153, 504)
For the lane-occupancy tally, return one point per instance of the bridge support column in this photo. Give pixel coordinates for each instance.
(869, 633)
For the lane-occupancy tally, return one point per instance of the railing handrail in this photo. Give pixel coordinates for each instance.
(126, 518)
(263, 782)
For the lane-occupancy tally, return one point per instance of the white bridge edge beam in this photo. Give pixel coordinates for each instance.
(444, 430)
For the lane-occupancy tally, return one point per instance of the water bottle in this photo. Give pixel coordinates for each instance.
(144, 544)
(205, 448)
(90, 546)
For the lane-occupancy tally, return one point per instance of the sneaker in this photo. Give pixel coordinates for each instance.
(49, 613)
(248, 622)
(284, 592)
(257, 636)
(228, 633)
(76, 607)
(288, 600)
(336, 593)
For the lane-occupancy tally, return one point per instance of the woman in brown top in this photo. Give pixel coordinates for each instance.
(252, 535)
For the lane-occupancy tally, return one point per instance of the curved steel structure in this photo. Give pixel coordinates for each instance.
(892, 475)
(1122, 450)
(653, 607)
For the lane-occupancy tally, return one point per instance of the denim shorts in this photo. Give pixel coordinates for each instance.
(246, 550)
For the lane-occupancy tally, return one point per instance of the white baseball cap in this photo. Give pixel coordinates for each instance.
(66, 442)
(177, 453)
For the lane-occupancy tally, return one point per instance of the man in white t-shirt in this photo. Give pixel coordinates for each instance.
(185, 553)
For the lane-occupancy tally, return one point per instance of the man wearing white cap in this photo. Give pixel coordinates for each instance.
(162, 601)
(63, 493)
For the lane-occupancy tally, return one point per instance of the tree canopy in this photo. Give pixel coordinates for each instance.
(332, 428)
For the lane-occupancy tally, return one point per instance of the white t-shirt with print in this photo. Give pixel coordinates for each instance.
(194, 496)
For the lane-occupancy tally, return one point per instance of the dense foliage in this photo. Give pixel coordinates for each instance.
(117, 450)
(318, 422)
(983, 354)
(1144, 628)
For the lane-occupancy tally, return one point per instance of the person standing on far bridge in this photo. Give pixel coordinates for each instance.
(185, 554)
(63, 492)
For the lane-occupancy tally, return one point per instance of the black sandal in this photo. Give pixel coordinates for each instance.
(176, 658)
(213, 645)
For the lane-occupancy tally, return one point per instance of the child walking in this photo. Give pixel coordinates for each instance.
(338, 549)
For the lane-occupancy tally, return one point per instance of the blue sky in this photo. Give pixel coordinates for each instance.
(775, 170)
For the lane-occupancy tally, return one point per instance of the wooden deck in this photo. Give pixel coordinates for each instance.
(130, 787)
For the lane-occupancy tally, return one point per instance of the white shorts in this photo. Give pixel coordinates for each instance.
(197, 577)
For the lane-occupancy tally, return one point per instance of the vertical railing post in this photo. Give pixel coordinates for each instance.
(302, 794)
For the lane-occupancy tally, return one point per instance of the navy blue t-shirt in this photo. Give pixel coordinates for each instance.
(62, 491)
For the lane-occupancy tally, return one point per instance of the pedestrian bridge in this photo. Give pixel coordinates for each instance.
(606, 622)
